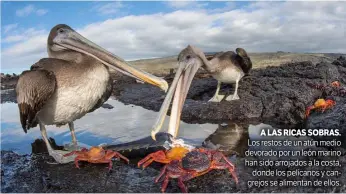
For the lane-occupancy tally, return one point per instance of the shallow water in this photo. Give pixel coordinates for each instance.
(121, 124)
(125, 123)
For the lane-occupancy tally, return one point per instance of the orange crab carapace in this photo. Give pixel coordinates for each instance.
(96, 155)
(321, 105)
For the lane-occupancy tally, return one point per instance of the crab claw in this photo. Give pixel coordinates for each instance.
(234, 175)
(308, 110)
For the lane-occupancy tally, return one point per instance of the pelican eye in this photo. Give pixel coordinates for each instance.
(61, 30)
(188, 57)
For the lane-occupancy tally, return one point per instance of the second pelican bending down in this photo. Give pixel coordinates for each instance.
(228, 67)
(225, 66)
(73, 81)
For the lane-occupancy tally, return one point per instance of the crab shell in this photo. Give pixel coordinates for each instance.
(197, 161)
(95, 153)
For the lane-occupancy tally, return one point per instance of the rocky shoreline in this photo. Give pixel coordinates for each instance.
(39, 173)
(273, 95)
(276, 95)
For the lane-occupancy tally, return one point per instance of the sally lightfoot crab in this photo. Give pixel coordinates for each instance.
(189, 165)
(332, 89)
(321, 105)
(96, 155)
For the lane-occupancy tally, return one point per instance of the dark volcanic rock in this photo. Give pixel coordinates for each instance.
(274, 95)
(341, 64)
(9, 82)
(107, 106)
(8, 95)
(39, 146)
(38, 174)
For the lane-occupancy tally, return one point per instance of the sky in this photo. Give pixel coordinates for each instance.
(135, 30)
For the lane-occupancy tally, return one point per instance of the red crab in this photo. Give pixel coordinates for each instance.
(96, 155)
(191, 164)
(332, 89)
(335, 84)
(320, 104)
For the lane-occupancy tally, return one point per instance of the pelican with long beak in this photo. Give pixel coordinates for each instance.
(227, 65)
(73, 81)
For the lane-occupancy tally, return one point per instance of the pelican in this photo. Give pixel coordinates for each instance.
(225, 66)
(73, 81)
(228, 67)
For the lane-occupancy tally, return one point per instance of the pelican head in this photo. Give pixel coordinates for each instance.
(63, 39)
(189, 61)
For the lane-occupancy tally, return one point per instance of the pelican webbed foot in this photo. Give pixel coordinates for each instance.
(217, 98)
(232, 97)
(59, 157)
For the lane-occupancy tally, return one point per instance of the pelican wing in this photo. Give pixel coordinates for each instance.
(240, 59)
(33, 89)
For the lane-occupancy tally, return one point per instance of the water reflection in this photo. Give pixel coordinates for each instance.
(229, 138)
(232, 138)
(121, 124)
(126, 123)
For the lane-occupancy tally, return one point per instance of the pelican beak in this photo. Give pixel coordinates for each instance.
(74, 41)
(180, 86)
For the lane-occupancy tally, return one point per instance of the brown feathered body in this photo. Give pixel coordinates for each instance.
(58, 91)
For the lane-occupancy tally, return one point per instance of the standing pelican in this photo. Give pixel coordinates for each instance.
(73, 81)
(226, 66)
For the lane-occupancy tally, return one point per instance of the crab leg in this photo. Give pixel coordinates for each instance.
(228, 162)
(231, 169)
(110, 166)
(147, 163)
(158, 156)
(161, 173)
(76, 160)
(234, 175)
(118, 155)
(221, 166)
(308, 110)
(165, 183)
(110, 154)
(228, 165)
(182, 185)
